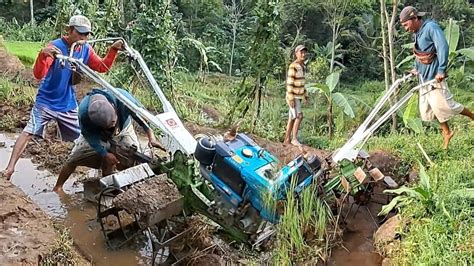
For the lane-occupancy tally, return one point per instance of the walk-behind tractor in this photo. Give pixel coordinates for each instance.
(233, 181)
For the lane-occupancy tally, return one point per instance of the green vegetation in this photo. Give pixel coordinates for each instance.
(302, 233)
(438, 210)
(25, 51)
(63, 251)
(16, 94)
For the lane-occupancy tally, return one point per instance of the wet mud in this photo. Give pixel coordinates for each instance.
(151, 195)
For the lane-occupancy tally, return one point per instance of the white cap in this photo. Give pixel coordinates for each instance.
(80, 23)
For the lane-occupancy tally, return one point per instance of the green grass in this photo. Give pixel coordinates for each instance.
(302, 235)
(444, 235)
(16, 94)
(25, 51)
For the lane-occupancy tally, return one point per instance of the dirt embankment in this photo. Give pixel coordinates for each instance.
(27, 235)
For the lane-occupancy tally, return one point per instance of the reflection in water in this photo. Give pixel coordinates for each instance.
(70, 210)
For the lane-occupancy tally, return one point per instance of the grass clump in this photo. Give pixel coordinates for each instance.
(62, 252)
(15, 93)
(303, 229)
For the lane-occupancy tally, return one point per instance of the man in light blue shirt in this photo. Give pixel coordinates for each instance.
(431, 52)
(104, 118)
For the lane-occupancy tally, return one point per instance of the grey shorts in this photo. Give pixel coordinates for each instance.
(294, 112)
(68, 122)
(84, 155)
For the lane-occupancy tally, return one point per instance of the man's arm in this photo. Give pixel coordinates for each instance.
(290, 80)
(102, 65)
(442, 49)
(44, 61)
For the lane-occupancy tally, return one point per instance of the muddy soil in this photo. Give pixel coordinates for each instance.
(389, 165)
(26, 233)
(359, 225)
(203, 246)
(148, 197)
(48, 153)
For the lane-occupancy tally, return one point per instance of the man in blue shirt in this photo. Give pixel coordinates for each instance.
(56, 98)
(104, 118)
(431, 59)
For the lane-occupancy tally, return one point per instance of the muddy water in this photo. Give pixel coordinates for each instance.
(71, 210)
(357, 247)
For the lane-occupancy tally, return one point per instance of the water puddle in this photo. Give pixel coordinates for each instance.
(70, 210)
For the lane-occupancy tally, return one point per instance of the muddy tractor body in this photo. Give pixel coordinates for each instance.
(247, 181)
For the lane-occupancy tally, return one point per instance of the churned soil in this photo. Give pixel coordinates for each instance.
(149, 196)
(49, 154)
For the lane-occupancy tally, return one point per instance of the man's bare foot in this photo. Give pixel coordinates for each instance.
(7, 174)
(296, 142)
(286, 142)
(446, 138)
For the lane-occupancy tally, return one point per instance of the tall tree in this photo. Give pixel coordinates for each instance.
(154, 34)
(338, 15)
(236, 14)
(335, 11)
(262, 55)
(387, 31)
(32, 17)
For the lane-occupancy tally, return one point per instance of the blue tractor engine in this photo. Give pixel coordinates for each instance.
(246, 180)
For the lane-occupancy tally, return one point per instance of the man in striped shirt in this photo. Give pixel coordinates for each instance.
(295, 93)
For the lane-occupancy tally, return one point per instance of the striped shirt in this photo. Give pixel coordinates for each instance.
(295, 81)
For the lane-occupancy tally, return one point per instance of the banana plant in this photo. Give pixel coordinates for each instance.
(422, 193)
(204, 51)
(325, 52)
(332, 98)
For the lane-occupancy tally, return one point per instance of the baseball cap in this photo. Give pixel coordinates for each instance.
(410, 12)
(80, 23)
(300, 48)
(101, 111)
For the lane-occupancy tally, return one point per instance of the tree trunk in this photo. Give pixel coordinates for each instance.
(249, 99)
(333, 47)
(32, 16)
(122, 12)
(234, 35)
(259, 103)
(230, 115)
(330, 131)
(385, 53)
(393, 74)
